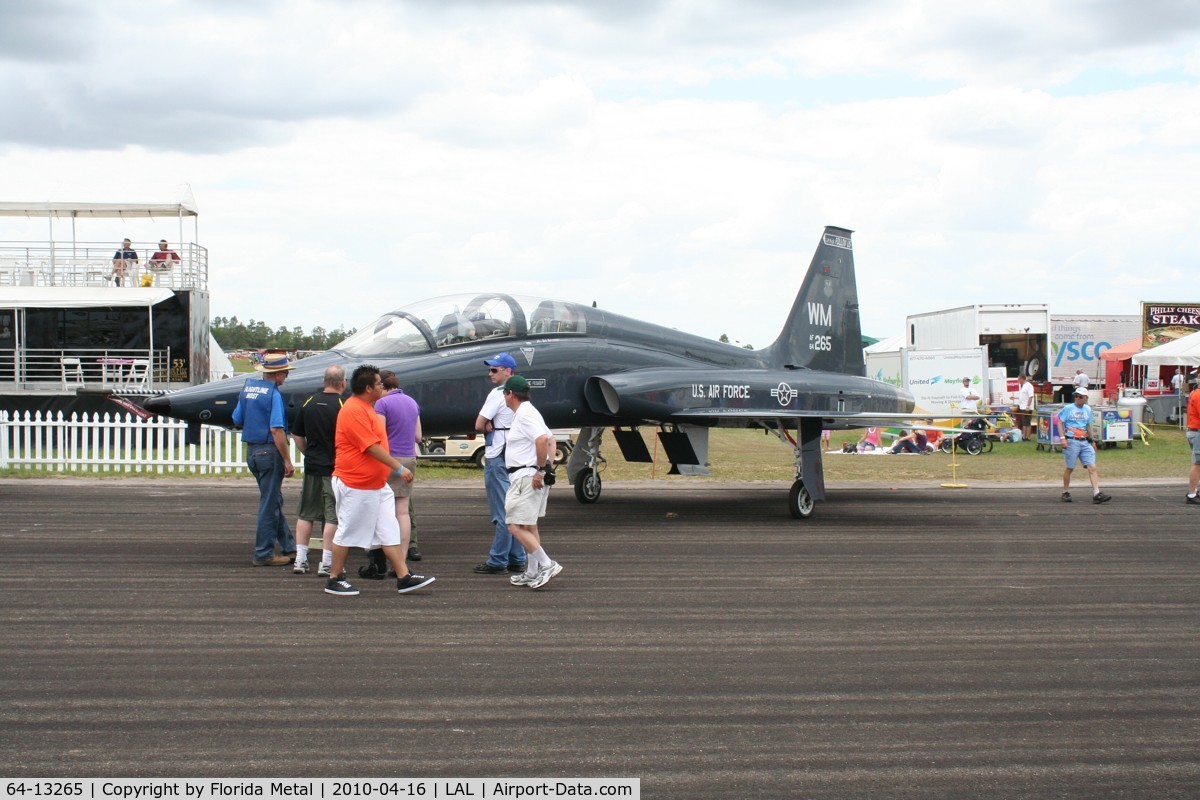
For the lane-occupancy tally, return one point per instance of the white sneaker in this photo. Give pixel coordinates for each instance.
(300, 567)
(545, 574)
(522, 579)
(323, 570)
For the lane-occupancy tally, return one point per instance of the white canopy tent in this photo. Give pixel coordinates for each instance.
(892, 344)
(219, 365)
(73, 211)
(1184, 351)
(80, 297)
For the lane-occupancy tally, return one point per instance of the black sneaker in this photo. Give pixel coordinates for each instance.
(1101, 497)
(376, 568)
(414, 554)
(1192, 501)
(487, 569)
(1066, 497)
(410, 582)
(517, 567)
(340, 586)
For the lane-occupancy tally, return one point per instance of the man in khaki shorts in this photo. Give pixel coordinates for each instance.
(313, 432)
(529, 459)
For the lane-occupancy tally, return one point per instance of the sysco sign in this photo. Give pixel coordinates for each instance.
(1078, 351)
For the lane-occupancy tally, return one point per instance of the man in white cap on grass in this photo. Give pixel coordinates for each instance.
(1074, 421)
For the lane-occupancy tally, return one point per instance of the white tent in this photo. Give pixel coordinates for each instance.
(892, 344)
(1183, 352)
(219, 365)
(73, 211)
(80, 297)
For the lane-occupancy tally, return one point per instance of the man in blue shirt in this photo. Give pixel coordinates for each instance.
(1073, 421)
(260, 415)
(124, 260)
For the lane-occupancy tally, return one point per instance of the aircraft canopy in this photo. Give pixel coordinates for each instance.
(464, 319)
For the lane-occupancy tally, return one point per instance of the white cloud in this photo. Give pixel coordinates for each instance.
(674, 161)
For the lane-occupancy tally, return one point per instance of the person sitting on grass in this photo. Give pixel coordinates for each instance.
(869, 440)
(914, 441)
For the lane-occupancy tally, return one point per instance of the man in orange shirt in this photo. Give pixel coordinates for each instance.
(1193, 435)
(366, 505)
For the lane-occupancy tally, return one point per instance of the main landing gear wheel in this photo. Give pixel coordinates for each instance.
(587, 486)
(800, 503)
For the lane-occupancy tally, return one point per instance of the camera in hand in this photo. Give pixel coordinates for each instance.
(549, 478)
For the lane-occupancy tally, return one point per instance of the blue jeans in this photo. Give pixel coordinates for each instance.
(266, 465)
(506, 549)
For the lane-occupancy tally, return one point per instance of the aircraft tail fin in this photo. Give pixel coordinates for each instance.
(823, 330)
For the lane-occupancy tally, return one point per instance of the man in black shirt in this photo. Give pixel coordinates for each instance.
(124, 261)
(313, 432)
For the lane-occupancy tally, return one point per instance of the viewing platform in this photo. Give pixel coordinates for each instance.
(81, 317)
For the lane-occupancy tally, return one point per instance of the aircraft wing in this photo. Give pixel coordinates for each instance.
(710, 396)
(830, 420)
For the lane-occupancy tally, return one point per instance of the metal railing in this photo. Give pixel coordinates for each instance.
(76, 368)
(91, 264)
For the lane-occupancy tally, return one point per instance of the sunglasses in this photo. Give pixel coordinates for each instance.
(494, 370)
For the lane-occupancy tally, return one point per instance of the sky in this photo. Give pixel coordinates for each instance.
(671, 161)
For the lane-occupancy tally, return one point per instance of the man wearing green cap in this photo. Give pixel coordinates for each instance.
(528, 457)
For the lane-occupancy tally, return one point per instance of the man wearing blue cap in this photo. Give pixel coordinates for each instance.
(507, 554)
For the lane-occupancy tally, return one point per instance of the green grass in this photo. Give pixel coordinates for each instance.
(241, 365)
(745, 455)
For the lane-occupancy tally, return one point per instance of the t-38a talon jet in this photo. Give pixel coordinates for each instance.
(595, 370)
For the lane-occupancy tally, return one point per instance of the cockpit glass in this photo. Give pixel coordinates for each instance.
(475, 319)
(390, 334)
(464, 319)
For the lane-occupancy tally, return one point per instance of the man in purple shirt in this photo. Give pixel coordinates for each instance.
(402, 417)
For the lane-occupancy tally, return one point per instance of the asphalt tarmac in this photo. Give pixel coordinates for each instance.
(904, 642)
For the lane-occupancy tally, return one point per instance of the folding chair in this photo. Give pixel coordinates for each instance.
(72, 371)
(138, 376)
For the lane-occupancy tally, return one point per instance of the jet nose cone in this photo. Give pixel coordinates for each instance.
(158, 405)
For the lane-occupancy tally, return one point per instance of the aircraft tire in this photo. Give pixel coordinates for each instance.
(800, 503)
(562, 452)
(587, 486)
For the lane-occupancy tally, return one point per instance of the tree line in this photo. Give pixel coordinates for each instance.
(232, 334)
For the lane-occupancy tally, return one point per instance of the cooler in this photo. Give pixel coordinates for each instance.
(1113, 425)
(1048, 436)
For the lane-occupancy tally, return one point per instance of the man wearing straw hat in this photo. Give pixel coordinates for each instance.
(260, 414)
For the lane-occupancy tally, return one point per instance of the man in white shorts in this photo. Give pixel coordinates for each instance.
(366, 505)
(529, 458)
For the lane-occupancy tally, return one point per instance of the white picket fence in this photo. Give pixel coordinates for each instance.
(116, 443)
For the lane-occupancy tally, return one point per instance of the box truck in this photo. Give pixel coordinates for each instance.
(1077, 340)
